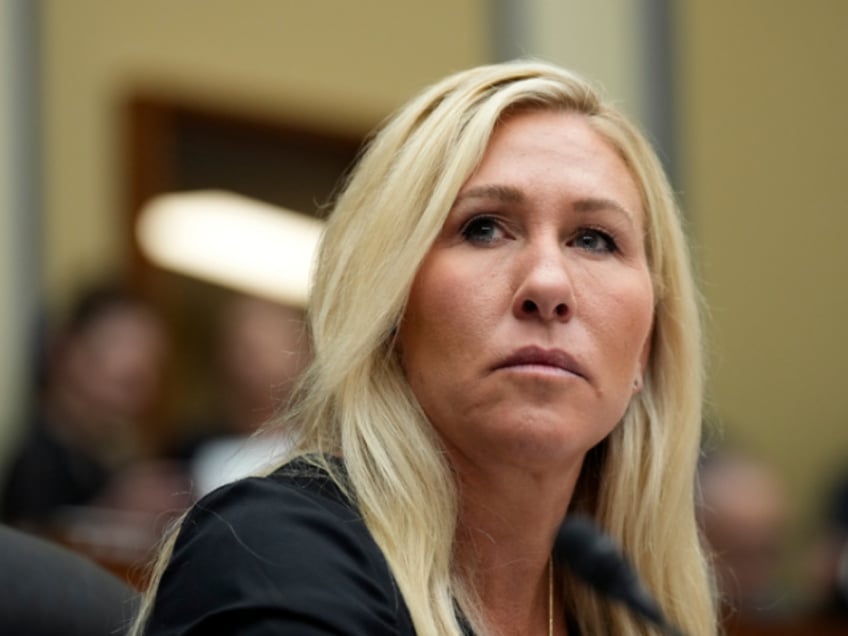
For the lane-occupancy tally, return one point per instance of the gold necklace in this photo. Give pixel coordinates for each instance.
(550, 596)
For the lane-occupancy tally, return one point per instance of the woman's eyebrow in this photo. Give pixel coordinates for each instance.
(592, 204)
(500, 192)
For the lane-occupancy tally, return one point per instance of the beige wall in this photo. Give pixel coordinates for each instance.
(764, 138)
(332, 63)
(18, 263)
(10, 349)
(600, 40)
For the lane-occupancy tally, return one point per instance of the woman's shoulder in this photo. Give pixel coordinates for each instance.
(285, 548)
(297, 486)
(297, 506)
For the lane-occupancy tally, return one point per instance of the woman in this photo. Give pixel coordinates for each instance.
(505, 332)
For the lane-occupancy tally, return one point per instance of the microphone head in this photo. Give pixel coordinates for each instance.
(594, 558)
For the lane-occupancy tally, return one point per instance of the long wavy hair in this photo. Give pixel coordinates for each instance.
(354, 399)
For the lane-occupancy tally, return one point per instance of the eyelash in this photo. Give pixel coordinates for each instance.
(479, 222)
(475, 223)
(608, 239)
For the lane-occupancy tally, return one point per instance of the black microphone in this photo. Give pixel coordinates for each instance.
(594, 558)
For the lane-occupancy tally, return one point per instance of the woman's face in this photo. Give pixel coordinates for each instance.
(530, 317)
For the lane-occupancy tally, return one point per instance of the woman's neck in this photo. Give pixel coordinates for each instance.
(508, 523)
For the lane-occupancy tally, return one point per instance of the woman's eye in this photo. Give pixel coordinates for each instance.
(482, 229)
(594, 241)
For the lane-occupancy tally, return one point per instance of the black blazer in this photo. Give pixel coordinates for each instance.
(285, 554)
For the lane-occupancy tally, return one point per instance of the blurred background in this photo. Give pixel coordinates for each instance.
(105, 106)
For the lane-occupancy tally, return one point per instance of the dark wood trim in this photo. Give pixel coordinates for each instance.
(154, 164)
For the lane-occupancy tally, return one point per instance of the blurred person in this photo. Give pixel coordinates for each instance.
(829, 559)
(505, 333)
(261, 349)
(743, 512)
(85, 443)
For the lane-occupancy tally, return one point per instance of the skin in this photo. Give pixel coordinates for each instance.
(109, 375)
(527, 325)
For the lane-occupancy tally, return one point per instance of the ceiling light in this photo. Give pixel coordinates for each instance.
(232, 240)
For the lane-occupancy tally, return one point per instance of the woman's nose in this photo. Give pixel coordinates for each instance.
(545, 290)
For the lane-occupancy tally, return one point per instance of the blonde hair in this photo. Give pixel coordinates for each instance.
(354, 399)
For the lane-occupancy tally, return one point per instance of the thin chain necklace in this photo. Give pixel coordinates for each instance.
(550, 596)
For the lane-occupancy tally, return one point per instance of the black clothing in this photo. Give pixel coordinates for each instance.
(46, 474)
(837, 524)
(285, 554)
(837, 515)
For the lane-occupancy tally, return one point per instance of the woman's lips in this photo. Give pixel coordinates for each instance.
(541, 357)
